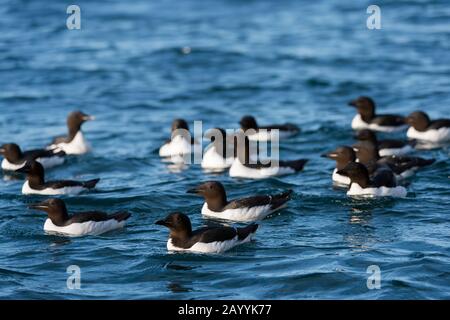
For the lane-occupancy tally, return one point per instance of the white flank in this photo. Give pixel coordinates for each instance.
(26, 189)
(178, 146)
(238, 170)
(358, 124)
(78, 145)
(439, 135)
(211, 247)
(214, 161)
(49, 162)
(246, 214)
(357, 191)
(85, 228)
(267, 135)
(396, 152)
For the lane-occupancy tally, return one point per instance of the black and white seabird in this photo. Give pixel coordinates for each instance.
(389, 147)
(15, 158)
(79, 224)
(422, 128)
(204, 240)
(368, 119)
(343, 155)
(382, 184)
(36, 184)
(74, 143)
(219, 155)
(264, 133)
(245, 166)
(246, 209)
(403, 166)
(180, 143)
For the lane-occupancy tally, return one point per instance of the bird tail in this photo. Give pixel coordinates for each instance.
(244, 232)
(120, 216)
(297, 165)
(91, 183)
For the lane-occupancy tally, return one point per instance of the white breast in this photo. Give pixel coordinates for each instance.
(8, 166)
(211, 247)
(178, 146)
(358, 124)
(357, 191)
(214, 161)
(238, 170)
(340, 179)
(26, 189)
(439, 135)
(78, 145)
(49, 162)
(246, 214)
(396, 152)
(85, 228)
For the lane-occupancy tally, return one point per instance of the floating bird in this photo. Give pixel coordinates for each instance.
(80, 224)
(386, 147)
(382, 185)
(180, 143)
(15, 158)
(246, 209)
(219, 155)
(265, 133)
(75, 142)
(422, 128)
(403, 166)
(242, 167)
(343, 156)
(204, 240)
(368, 119)
(36, 184)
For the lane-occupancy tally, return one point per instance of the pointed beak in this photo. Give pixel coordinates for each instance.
(330, 155)
(163, 223)
(24, 169)
(38, 206)
(352, 103)
(195, 190)
(88, 118)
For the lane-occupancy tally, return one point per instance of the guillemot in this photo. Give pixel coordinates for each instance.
(74, 143)
(264, 133)
(203, 240)
(246, 167)
(382, 185)
(343, 155)
(219, 155)
(368, 119)
(36, 184)
(247, 209)
(15, 158)
(180, 143)
(389, 147)
(80, 224)
(403, 166)
(422, 128)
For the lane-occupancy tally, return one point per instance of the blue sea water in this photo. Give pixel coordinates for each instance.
(297, 61)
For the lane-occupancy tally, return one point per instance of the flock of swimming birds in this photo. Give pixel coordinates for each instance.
(370, 168)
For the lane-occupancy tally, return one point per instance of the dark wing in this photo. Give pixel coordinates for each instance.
(207, 235)
(98, 216)
(244, 232)
(63, 183)
(275, 201)
(41, 153)
(400, 164)
(391, 144)
(297, 165)
(384, 178)
(440, 123)
(389, 120)
(282, 127)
